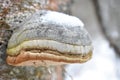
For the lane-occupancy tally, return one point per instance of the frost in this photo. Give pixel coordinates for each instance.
(62, 19)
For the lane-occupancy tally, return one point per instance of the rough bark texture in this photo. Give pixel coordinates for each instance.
(8, 72)
(108, 13)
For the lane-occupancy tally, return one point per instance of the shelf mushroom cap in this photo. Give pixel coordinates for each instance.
(50, 38)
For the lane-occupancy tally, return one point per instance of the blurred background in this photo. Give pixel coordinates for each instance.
(102, 21)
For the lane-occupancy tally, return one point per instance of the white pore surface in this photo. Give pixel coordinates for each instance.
(53, 45)
(61, 18)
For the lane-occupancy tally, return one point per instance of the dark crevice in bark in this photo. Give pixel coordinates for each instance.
(4, 41)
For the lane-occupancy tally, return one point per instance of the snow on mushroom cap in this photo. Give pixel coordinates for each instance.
(52, 26)
(60, 19)
(17, 19)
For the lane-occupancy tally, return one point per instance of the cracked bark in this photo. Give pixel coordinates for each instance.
(8, 72)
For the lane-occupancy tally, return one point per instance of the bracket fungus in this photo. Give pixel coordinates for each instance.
(51, 38)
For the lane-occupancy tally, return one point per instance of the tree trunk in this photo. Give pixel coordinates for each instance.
(8, 72)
